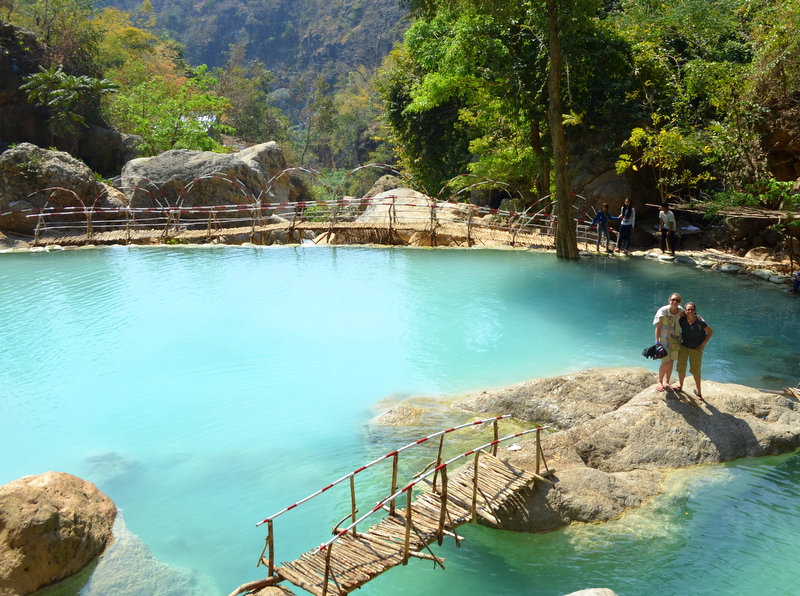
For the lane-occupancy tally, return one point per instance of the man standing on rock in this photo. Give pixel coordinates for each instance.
(668, 334)
(667, 225)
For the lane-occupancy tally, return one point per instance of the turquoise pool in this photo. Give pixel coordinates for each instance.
(204, 388)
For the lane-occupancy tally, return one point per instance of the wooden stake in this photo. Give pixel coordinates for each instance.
(438, 461)
(394, 483)
(353, 501)
(443, 510)
(408, 527)
(475, 488)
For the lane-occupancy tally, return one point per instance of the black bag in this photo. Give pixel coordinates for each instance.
(656, 352)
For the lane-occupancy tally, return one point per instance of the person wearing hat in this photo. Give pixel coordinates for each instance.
(667, 225)
(695, 333)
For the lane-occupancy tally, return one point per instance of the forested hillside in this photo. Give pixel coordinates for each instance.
(687, 99)
(306, 38)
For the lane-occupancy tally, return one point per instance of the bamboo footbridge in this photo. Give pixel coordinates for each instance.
(481, 485)
(64, 219)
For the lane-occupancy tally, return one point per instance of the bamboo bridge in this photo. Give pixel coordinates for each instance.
(481, 485)
(64, 219)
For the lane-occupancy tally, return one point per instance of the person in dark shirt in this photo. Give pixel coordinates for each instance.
(602, 220)
(695, 333)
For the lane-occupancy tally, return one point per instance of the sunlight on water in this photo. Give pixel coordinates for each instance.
(204, 389)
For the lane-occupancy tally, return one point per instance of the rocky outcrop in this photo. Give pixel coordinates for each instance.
(161, 180)
(34, 178)
(610, 454)
(563, 401)
(51, 527)
(21, 55)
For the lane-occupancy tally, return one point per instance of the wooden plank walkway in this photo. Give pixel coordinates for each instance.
(445, 232)
(354, 559)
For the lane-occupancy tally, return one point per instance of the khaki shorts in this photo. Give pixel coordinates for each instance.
(695, 358)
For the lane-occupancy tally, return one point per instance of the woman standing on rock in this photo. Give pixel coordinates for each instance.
(695, 334)
(668, 334)
(627, 217)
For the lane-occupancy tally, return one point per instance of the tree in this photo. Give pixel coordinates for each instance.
(70, 100)
(173, 114)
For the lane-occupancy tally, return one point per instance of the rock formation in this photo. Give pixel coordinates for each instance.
(161, 180)
(21, 55)
(51, 527)
(27, 170)
(617, 433)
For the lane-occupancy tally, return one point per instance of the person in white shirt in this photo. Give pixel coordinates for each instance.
(666, 220)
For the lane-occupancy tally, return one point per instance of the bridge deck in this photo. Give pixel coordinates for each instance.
(445, 232)
(356, 559)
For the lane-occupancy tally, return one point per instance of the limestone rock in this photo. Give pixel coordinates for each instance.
(593, 592)
(403, 414)
(161, 180)
(614, 461)
(26, 169)
(51, 527)
(564, 401)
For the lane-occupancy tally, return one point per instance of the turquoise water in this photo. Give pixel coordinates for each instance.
(203, 389)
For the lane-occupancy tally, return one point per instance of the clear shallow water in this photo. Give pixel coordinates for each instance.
(203, 389)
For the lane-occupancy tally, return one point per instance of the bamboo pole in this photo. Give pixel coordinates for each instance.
(538, 449)
(353, 509)
(438, 461)
(327, 570)
(408, 527)
(496, 437)
(475, 488)
(443, 509)
(271, 547)
(394, 482)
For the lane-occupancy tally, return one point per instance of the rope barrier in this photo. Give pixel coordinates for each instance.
(419, 479)
(378, 460)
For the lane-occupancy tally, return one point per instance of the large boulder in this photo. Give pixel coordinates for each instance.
(187, 178)
(616, 460)
(32, 178)
(51, 527)
(563, 401)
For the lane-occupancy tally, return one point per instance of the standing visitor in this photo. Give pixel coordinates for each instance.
(668, 334)
(667, 225)
(601, 220)
(627, 217)
(695, 334)
(796, 284)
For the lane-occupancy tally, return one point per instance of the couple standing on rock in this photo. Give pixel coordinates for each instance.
(683, 335)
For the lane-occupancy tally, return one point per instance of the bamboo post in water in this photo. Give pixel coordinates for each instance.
(407, 541)
(443, 509)
(327, 569)
(394, 482)
(271, 547)
(475, 488)
(353, 501)
(438, 461)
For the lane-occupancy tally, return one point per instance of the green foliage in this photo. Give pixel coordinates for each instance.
(767, 194)
(172, 115)
(67, 29)
(70, 100)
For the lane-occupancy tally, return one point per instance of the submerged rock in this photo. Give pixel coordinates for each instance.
(51, 527)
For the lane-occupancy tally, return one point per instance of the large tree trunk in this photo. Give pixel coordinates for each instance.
(566, 239)
(543, 175)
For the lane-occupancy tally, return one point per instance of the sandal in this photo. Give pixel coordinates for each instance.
(700, 397)
(659, 388)
(668, 388)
